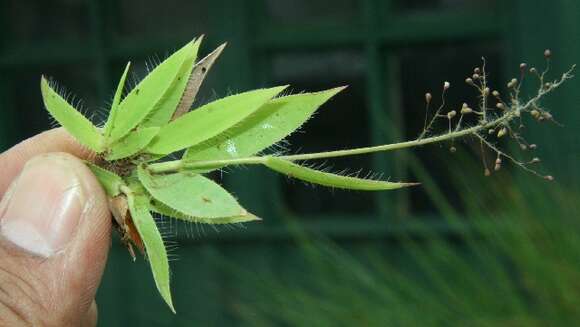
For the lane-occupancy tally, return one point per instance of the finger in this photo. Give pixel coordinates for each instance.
(54, 140)
(55, 235)
(90, 319)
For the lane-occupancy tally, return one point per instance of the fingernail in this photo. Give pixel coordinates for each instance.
(43, 206)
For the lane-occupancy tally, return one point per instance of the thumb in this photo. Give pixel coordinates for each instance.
(54, 239)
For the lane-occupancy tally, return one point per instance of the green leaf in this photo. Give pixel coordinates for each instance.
(116, 101)
(73, 121)
(197, 76)
(209, 120)
(271, 123)
(162, 209)
(168, 104)
(110, 181)
(154, 246)
(327, 179)
(192, 194)
(144, 98)
(132, 143)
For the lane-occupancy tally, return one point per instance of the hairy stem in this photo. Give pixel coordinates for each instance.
(504, 119)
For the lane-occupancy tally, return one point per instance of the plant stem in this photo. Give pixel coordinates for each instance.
(176, 165)
(504, 119)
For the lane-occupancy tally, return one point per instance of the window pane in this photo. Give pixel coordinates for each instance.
(424, 69)
(312, 11)
(33, 21)
(430, 5)
(77, 81)
(145, 19)
(342, 123)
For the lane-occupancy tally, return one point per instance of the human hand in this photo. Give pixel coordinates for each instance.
(54, 233)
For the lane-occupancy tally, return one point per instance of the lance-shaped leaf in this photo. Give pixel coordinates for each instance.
(209, 120)
(327, 179)
(194, 82)
(73, 121)
(162, 209)
(271, 123)
(192, 194)
(132, 143)
(110, 181)
(154, 246)
(168, 104)
(144, 98)
(116, 101)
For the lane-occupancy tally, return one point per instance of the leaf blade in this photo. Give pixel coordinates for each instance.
(209, 120)
(71, 119)
(168, 104)
(328, 179)
(132, 143)
(116, 101)
(191, 194)
(271, 123)
(154, 246)
(162, 209)
(195, 80)
(143, 99)
(110, 181)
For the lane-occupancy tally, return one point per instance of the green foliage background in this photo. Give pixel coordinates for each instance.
(440, 253)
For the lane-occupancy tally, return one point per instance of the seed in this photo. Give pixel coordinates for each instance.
(466, 110)
(451, 114)
(502, 132)
(495, 93)
(549, 178)
(475, 76)
(469, 81)
(486, 91)
(500, 105)
(535, 113)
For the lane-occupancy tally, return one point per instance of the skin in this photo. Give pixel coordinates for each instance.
(58, 289)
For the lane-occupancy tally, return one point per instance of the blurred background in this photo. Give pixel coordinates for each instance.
(460, 250)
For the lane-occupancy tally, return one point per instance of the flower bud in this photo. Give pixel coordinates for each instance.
(500, 105)
(451, 114)
(495, 93)
(547, 53)
(446, 85)
(469, 81)
(428, 97)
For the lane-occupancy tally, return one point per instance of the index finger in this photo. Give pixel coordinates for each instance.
(54, 140)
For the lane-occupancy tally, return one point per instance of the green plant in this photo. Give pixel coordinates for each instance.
(510, 259)
(153, 121)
